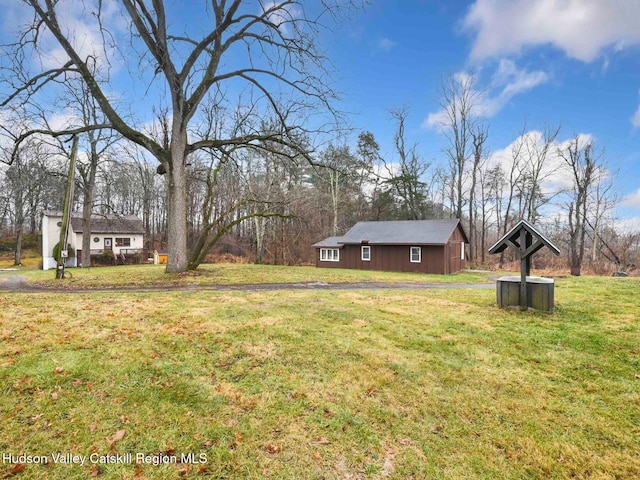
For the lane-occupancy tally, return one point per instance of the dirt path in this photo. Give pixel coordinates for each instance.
(12, 282)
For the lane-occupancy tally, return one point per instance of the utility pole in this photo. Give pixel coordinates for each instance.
(66, 212)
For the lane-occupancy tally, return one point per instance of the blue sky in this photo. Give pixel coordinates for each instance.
(573, 63)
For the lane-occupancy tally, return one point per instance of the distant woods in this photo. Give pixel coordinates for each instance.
(258, 205)
(239, 150)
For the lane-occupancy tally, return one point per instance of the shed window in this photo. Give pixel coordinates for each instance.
(462, 251)
(123, 242)
(416, 254)
(365, 253)
(330, 254)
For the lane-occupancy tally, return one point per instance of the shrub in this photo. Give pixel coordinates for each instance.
(56, 251)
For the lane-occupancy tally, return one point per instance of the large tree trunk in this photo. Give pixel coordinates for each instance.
(260, 224)
(86, 233)
(177, 206)
(87, 207)
(17, 260)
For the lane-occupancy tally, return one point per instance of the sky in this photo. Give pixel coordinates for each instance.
(568, 63)
(537, 63)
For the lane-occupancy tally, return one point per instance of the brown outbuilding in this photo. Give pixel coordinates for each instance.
(423, 246)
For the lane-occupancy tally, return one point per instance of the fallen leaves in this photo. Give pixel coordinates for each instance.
(272, 448)
(119, 435)
(95, 470)
(17, 468)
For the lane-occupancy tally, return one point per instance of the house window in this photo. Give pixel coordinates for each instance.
(96, 239)
(330, 254)
(416, 254)
(123, 242)
(365, 253)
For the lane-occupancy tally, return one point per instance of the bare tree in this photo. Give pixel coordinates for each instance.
(479, 135)
(336, 169)
(24, 184)
(516, 172)
(584, 165)
(406, 180)
(604, 200)
(490, 183)
(97, 144)
(459, 102)
(538, 171)
(270, 49)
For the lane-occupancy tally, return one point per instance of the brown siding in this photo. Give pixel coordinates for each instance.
(339, 264)
(440, 259)
(393, 258)
(453, 252)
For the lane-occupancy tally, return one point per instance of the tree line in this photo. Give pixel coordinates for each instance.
(238, 160)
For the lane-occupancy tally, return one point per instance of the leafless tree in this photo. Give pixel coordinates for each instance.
(24, 184)
(604, 199)
(459, 102)
(96, 143)
(515, 172)
(269, 48)
(336, 170)
(490, 182)
(585, 167)
(538, 171)
(406, 180)
(479, 135)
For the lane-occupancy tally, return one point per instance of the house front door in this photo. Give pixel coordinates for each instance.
(108, 243)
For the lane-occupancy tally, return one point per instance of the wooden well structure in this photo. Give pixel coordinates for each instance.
(525, 291)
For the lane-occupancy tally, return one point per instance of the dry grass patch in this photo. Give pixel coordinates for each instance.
(229, 274)
(319, 384)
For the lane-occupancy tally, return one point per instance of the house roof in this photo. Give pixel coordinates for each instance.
(330, 242)
(103, 223)
(397, 232)
(109, 224)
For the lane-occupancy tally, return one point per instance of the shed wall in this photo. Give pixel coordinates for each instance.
(393, 258)
(438, 259)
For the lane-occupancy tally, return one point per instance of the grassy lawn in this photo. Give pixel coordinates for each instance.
(323, 384)
(229, 274)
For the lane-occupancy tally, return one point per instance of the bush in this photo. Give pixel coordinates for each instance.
(56, 251)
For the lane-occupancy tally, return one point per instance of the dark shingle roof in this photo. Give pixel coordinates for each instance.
(397, 232)
(110, 224)
(513, 236)
(330, 242)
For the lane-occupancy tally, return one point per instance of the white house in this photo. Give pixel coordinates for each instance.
(120, 235)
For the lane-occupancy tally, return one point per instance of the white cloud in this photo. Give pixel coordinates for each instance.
(628, 225)
(635, 119)
(582, 29)
(556, 174)
(507, 81)
(632, 200)
(385, 44)
(517, 80)
(77, 19)
(281, 14)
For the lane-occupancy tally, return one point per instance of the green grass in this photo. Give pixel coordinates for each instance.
(30, 260)
(224, 274)
(325, 384)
